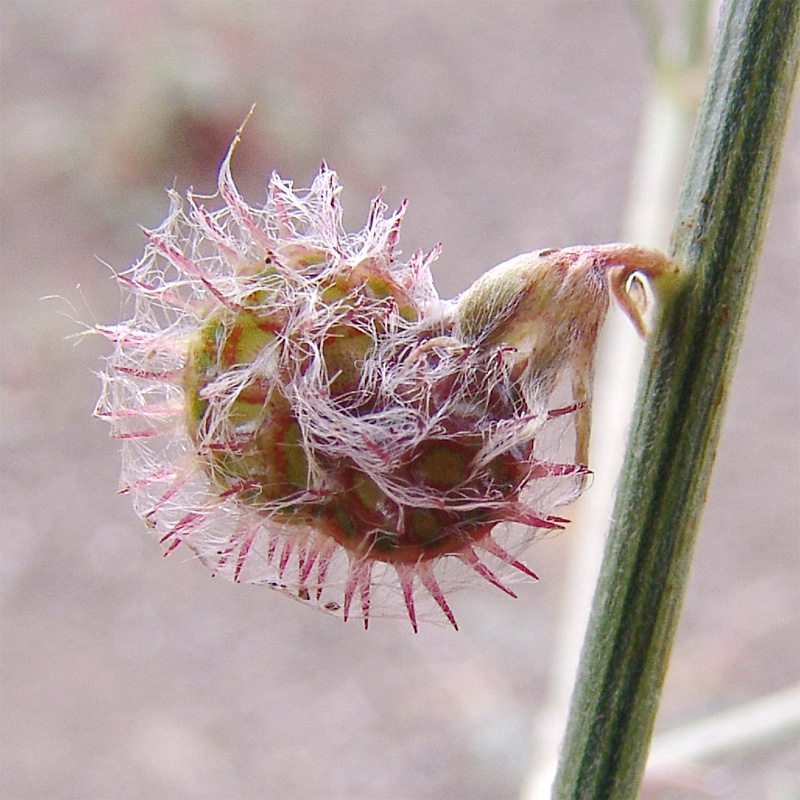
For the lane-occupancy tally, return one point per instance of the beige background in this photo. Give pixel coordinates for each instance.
(509, 126)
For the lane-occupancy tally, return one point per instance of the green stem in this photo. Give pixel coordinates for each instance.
(717, 239)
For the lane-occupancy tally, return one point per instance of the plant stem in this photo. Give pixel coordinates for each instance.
(774, 717)
(716, 239)
(668, 119)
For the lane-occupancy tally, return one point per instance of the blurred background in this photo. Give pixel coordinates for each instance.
(510, 127)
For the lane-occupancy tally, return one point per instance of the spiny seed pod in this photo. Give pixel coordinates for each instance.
(302, 410)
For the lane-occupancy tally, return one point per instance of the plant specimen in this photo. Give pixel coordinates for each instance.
(299, 407)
